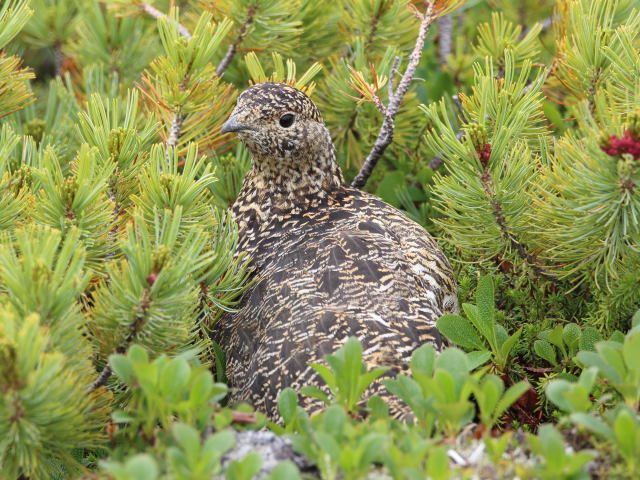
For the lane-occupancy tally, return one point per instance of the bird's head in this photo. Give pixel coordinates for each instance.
(279, 123)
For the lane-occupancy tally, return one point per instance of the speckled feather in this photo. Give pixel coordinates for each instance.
(331, 261)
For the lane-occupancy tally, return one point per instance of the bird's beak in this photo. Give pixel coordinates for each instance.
(232, 125)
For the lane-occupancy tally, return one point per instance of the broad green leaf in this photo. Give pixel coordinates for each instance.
(555, 337)
(201, 388)
(592, 423)
(611, 353)
(334, 419)
(631, 354)
(627, 433)
(459, 331)
(174, 376)
(188, 438)
(438, 464)
(423, 360)
(556, 392)
(220, 442)
(121, 366)
(592, 359)
(475, 359)
(244, 469)
(285, 471)
(142, 467)
(453, 360)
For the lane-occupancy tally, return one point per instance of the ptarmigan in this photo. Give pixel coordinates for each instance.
(330, 261)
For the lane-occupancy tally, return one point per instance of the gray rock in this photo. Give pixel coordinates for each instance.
(272, 448)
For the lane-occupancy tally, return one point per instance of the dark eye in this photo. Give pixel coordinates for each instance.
(286, 120)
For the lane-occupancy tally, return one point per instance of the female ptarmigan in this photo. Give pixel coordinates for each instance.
(331, 261)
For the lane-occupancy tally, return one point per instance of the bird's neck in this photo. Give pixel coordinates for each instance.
(276, 192)
(295, 183)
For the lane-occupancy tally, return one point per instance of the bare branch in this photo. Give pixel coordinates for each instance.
(155, 13)
(385, 136)
(392, 75)
(233, 48)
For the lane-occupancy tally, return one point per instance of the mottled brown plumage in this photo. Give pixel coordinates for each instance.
(331, 261)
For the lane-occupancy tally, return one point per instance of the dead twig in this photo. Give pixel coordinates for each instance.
(233, 48)
(176, 122)
(385, 136)
(155, 13)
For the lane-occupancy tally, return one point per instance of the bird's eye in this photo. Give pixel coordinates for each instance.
(286, 120)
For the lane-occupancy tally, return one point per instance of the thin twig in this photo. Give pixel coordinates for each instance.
(392, 76)
(385, 136)
(155, 13)
(233, 48)
(176, 123)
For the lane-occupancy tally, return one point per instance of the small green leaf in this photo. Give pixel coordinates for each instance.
(545, 351)
(588, 338)
(142, 467)
(244, 469)
(507, 346)
(285, 471)
(287, 404)
(315, 392)
(377, 407)
(121, 366)
(571, 335)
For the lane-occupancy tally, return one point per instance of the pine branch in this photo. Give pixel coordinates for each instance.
(489, 189)
(137, 325)
(155, 13)
(176, 123)
(385, 136)
(233, 48)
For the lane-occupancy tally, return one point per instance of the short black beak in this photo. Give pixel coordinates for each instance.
(232, 125)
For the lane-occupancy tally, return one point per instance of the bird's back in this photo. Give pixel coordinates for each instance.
(350, 265)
